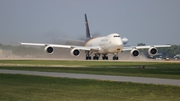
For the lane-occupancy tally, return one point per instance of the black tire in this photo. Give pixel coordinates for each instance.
(117, 58)
(89, 58)
(114, 58)
(103, 58)
(94, 58)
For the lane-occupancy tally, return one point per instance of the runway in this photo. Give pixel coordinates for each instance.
(144, 80)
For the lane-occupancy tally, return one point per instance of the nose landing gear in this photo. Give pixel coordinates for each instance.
(115, 57)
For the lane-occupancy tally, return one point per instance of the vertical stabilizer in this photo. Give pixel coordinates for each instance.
(88, 35)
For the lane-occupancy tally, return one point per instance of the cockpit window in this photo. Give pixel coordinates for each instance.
(116, 36)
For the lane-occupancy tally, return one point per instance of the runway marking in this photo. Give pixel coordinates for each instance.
(157, 81)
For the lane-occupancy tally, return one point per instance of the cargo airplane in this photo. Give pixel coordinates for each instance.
(100, 46)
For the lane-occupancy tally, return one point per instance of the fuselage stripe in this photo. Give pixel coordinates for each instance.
(86, 43)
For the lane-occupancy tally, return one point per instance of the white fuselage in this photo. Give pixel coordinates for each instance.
(107, 44)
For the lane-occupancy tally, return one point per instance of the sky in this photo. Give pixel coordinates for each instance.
(152, 22)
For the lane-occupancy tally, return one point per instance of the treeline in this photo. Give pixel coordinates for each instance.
(171, 51)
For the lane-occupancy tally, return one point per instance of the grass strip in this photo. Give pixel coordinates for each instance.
(89, 63)
(152, 69)
(36, 88)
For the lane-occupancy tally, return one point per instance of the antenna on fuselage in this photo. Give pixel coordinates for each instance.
(88, 35)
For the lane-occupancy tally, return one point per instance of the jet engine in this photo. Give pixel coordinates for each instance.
(125, 40)
(75, 52)
(135, 53)
(48, 49)
(152, 51)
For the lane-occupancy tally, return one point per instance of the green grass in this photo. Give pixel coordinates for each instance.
(153, 69)
(36, 88)
(88, 63)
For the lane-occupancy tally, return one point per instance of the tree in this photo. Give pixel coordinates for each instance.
(141, 44)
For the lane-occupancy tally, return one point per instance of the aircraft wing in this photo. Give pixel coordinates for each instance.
(144, 47)
(63, 46)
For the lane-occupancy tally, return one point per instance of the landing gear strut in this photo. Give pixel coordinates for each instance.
(88, 57)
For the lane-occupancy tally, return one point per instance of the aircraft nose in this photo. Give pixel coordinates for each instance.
(118, 43)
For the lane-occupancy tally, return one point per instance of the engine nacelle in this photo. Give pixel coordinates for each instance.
(75, 52)
(48, 49)
(152, 51)
(135, 53)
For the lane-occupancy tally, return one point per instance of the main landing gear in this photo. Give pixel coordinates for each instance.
(96, 56)
(88, 55)
(115, 57)
(105, 57)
